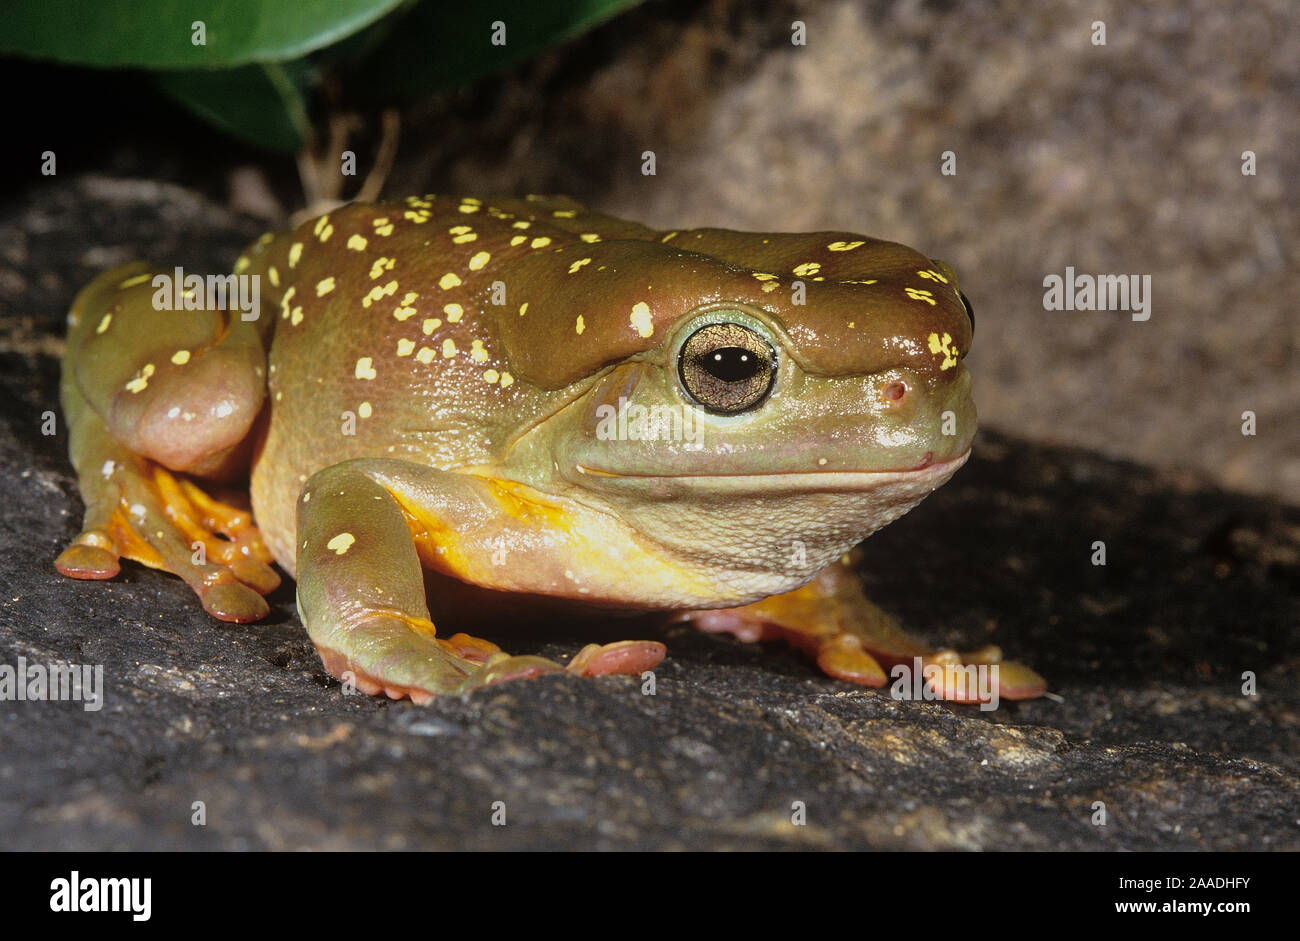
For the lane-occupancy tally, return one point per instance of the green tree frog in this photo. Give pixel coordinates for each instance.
(456, 411)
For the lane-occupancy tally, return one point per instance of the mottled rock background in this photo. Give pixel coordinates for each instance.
(1117, 159)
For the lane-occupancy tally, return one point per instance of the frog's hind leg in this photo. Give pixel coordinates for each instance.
(831, 619)
(136, 508)
(361, 587)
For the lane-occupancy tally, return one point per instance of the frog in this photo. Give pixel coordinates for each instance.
(452, 411)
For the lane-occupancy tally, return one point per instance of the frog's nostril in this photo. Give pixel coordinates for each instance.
(894, 391)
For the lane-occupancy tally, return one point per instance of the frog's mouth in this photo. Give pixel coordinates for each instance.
(930, 474)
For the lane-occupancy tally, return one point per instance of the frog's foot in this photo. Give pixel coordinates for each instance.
(362, 592)
(851, 638)
(136, 509)
(402, 657)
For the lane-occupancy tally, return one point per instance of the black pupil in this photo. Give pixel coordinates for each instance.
(730, 364)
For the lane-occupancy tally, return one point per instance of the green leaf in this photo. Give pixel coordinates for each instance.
(263, 104)
(441, 43)
(159, 34)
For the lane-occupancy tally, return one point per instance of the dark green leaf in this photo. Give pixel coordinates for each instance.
(441, 44)
(158, 34)
(263, 104)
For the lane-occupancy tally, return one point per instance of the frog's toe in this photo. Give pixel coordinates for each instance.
(233, 601)
(624, 656)
(88, 557)
(843, 657)
(1017, 681)
(502, 667)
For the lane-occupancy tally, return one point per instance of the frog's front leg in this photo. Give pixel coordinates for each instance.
(831, 619)
(144, 391)
(361, 589)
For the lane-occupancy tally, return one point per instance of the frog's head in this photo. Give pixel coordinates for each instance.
(761, 402)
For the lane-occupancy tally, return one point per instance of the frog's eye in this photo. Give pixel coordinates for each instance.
(970, 311)
(727, 368)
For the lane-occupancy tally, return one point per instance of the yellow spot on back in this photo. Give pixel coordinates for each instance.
(382, 225)
(425, 355)
(448, 348)
(365, 368)
(364, 410)
(641, 320)
(381, 265)
(132, 282)
(589, 237)
(807, 268)
(404, 313)
(764, 276)
(579, 325)
(523, 308)
(479, 261)
(181, 357)
(357, 243)
(377, 293)
(103, 324)
(430, 324)
(518, 240)
(670, 235)
(466, 238)
(521, 224)
(844, 246)
(931, 275)
(573, 268)
(341, 543)
(448, 281)
(241, 264)
(295, 252)
(564, 213)
(506, 379)
(491, 376)
(324, 286)
(540, 242)
(917, 294)
(477, 353)
(273, 276)
(454, 312)
(405, 347)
